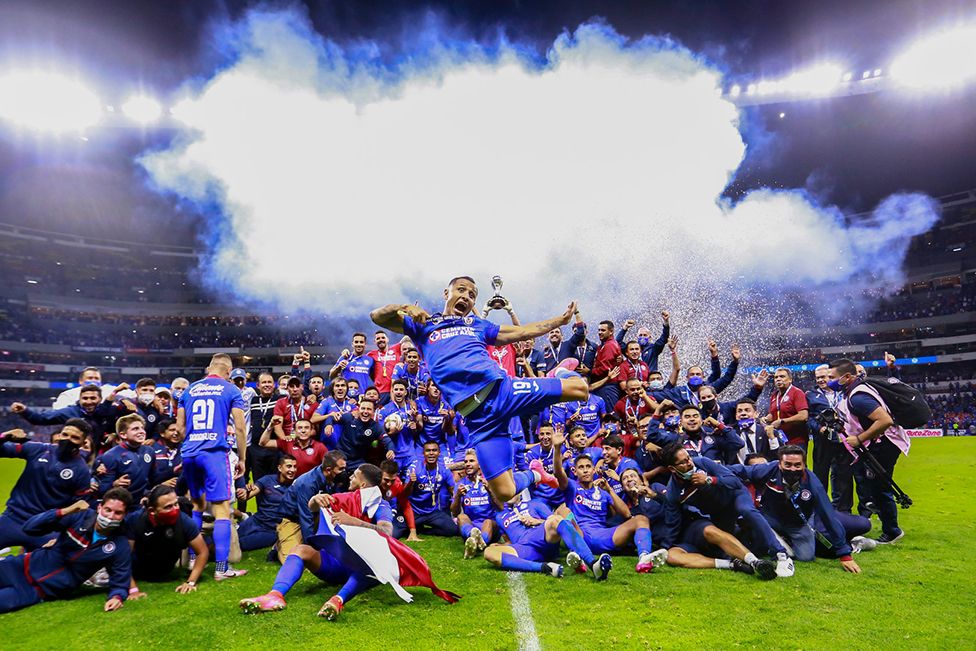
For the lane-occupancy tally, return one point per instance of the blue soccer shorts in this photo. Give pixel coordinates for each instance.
(599, 539)
(488, 425)
(209, 474)
(537, 552)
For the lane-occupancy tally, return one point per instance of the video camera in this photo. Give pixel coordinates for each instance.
(830, 420)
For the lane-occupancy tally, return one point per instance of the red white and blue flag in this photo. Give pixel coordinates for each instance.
(371, 552)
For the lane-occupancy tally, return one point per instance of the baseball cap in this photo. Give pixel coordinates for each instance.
(238, 373)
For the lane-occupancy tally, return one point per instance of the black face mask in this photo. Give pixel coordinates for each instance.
(67, 449)
(708, 405)
(792, 477)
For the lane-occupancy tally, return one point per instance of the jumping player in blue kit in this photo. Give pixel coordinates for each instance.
(206, 408)
(454, 345)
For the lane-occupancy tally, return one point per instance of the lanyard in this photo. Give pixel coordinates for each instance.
(638, 369)
(301, 411)
(435, 484)
(690, 443)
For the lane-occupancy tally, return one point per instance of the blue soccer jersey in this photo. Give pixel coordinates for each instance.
(590, 505)
(404, 441)
(622, 465)
(360, 368)
(540, 491)
(433, 488)
(207, 404)
(455, 349)
(414, 380)
(476, 503)
(589, 413)
(433, 420)
(510, 520)
(330, 406)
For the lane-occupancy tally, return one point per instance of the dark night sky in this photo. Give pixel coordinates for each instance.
(851, 150)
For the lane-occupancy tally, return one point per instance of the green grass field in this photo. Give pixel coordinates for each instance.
(919, 594)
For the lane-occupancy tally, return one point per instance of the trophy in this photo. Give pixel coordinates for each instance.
(497, 301)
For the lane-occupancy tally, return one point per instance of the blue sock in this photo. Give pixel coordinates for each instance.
(513, 562)
(198, 519)
(486, 537)
(523, 479)
(466, 529)
(642, 538)
(574, 541)
(289, 574)
(221, 540)
(354, 585)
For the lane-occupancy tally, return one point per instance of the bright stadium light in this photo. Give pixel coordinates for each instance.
(938, 61)
(142, 109)
(47, 102)
(818, 80)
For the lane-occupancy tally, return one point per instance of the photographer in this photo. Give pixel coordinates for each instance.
(826, 424)
(871, 427)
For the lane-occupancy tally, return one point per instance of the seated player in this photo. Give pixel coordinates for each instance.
(261, 529)
(54, 476)
(534, 532)
(648, 501)
(158, 535)
(88, 540)
(590, 501)
(298, 523)
(614, 463)
(473, 508)
(543, 452)
(796, 506)
(577, 443)
(700, 493)
(372, 511)
(429, 490)
(454, 345)
(393, 487)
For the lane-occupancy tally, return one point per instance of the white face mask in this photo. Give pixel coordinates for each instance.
(146, 398)
(656, 385)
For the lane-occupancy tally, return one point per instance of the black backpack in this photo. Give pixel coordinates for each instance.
(906, 403)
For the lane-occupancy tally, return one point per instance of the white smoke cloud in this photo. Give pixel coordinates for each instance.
(597, 175)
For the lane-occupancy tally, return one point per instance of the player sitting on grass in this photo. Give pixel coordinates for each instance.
(473, 508)
(534, 532)
(590, 500)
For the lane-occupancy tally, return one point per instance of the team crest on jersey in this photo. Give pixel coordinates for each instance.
(151, 418)
(146, 458)
(434, 336)
(437, 318)
(108, 547)
(709, 440)
(309, 451)
(805, 495)
(468, 320)
(67, 473)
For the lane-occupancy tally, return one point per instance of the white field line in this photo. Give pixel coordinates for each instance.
(528, 639)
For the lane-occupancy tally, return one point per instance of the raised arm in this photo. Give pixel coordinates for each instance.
(391, 316)
(511, 334)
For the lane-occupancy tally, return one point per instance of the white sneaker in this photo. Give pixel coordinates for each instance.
(471, 544)
(863, 544)
(99, 579)
(659, 557)
(785, 568)
(231, 573)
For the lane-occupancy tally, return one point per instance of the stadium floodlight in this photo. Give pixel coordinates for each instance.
(142, 109)
(817, 80)
(47, 102)
(940, 60)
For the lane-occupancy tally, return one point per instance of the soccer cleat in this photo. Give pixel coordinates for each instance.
(885, 539)
(659, 557)
(231, 573)
(266, 603)
(602, 567)
(645, 565)
(765, 570)
(553, 569)
(863, 544)
(564, 368)
(544, 477)
(471, 543)
(785, 568)
(575, 563)
(331, 609)
(742, 566)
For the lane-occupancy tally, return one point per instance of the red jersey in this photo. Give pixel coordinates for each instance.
(292, 413)
(306, 458)
(505, 357)
(790, 403)
(383, 369)
(625, 408)
(606, 358)
(630, 370)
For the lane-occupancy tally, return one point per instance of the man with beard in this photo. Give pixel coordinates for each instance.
(100, 415)
(412, 372)
(788, 408)
(355, 366)
(54, 476)
(261, 461)
(337, 402)
(385, 359)
(301, 445)
(709, 438)
(260, 530)
(650, 351)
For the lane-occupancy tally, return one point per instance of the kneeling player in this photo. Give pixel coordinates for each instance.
(534, 533)
(373, 512)
(590, 502)
(473, 509)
